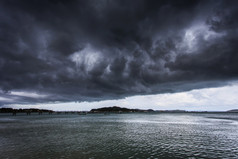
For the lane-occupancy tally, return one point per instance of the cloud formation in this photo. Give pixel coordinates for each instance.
(206, 99)
(96, 50)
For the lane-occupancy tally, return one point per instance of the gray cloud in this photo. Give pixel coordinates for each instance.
(96, 50)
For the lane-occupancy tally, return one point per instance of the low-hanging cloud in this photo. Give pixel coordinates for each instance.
(97, 50)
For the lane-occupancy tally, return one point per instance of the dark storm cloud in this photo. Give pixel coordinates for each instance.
(95, 50)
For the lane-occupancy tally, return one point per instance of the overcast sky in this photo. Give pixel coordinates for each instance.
(83, 54)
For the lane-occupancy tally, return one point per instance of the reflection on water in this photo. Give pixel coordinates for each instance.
(120, 136)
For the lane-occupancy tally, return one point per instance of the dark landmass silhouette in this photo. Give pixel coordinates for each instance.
(32, 110)
(233, 111)
(117, 109)
(39, 111)
(105, 110)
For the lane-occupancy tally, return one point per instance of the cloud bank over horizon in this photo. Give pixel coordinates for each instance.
(206, 99)
(97, 50)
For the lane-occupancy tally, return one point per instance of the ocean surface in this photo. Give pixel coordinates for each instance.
(96, 136)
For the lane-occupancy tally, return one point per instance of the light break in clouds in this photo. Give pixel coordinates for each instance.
(207, 99)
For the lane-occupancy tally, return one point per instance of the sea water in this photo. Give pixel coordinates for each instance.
(112, 136)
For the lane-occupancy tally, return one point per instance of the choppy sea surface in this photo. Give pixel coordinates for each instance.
(96, 136)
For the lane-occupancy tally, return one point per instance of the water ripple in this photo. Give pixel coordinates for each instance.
(119, 136)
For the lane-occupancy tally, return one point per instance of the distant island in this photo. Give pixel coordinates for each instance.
(233, 111)
(117, 109)
(105, 110)
(39, 111)
(27, 111)
(33, 110)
